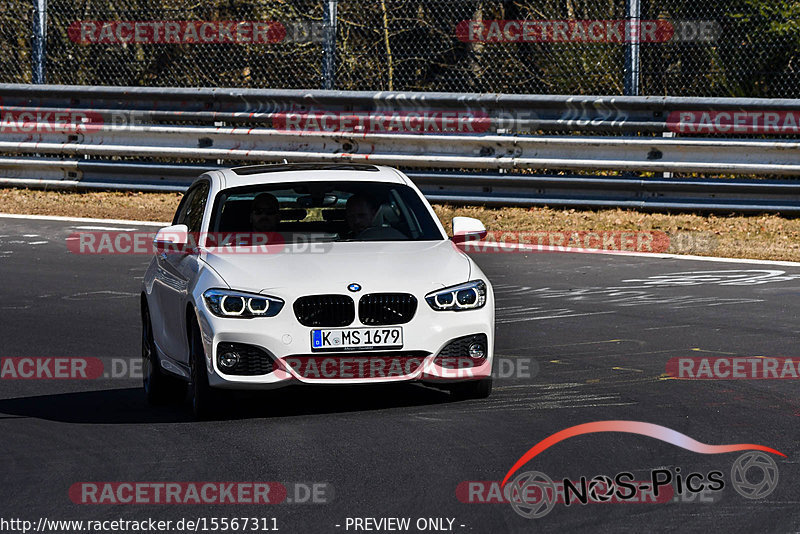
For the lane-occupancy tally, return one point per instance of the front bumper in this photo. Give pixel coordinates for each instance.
(289, 345)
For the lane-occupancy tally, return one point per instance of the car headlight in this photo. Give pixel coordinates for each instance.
(228, 303)
(469, 296)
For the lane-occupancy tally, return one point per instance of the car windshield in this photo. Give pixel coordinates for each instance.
(326, 211)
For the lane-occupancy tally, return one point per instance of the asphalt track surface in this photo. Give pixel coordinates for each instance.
(599, 330)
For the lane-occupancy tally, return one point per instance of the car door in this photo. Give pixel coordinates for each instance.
(164, 276)
(177, 270)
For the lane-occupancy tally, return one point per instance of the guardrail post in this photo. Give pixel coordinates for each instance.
(329, 15)
(39, 41)
(632, 34)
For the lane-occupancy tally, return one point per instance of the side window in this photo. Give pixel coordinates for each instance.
(180, 213)
(191, 213)
(197, 207)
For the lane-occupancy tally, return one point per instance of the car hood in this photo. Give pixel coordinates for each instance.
(293, 270)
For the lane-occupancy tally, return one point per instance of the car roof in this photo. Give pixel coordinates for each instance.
(306, 172)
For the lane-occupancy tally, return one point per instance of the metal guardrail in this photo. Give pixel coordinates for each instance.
(629, 114)
(160, 139)
(486, 188)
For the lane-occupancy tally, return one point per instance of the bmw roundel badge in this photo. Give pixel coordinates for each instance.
(354, 287)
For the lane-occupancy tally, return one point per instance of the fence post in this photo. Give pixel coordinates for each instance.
(632, 34)
(39, 41)
(329, 15)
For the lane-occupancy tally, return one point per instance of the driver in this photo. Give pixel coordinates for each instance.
(360, 213)
(264, 213)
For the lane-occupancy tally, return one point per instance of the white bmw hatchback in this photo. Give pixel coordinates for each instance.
(274, 275)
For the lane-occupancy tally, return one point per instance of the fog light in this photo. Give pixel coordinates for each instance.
(477, 351)
(228, 360)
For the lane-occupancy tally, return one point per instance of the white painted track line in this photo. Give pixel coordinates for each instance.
(541, 249)
(82, 219)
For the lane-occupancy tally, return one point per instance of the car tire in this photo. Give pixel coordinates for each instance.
(159, 388)
(203, 397)
(474, 389)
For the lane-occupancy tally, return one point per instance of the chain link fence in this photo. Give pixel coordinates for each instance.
(684, 47)
(16, 43)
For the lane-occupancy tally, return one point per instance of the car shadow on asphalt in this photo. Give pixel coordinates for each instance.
(128, 406)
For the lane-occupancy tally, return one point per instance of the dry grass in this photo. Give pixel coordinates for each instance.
(757, 236)
(102, 205)
(736, 236)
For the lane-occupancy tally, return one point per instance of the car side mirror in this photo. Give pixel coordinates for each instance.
(172, 239)
(467, 229)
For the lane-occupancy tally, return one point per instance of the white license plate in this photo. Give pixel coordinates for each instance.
(356, 338)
